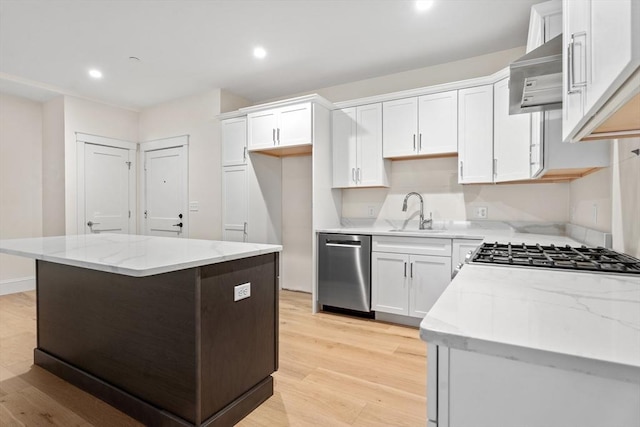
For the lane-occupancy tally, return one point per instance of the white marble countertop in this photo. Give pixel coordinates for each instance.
(132, 255)
(490, 233)
(585, 322)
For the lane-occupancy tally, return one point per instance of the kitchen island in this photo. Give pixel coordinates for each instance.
(529, 347)
(174, 332)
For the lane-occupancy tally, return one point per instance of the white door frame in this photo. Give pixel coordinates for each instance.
(159, 144)
(85, 138)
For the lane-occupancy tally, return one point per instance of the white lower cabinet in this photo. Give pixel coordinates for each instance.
(460, 249)
(403, 280)
(467, 388)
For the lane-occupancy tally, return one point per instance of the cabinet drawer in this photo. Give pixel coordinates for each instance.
(412, 245)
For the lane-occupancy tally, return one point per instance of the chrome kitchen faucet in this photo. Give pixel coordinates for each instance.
(422, 223)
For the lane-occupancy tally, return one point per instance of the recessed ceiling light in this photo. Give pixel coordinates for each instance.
(259, 52)
(96, 74)
(424, 5)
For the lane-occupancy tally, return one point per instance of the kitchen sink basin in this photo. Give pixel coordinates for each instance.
(410, 230)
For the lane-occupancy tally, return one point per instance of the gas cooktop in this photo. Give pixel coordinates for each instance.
(559, 257)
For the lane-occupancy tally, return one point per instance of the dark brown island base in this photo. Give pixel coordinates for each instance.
(179, 348)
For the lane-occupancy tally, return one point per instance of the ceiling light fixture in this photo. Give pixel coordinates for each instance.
(424, 5)
(259, 52)
(96, 74)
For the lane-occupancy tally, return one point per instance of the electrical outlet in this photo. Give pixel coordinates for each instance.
(371, 211)
(241, 292)
(194, 206)
(480, 212)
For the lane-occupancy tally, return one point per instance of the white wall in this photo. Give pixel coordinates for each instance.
(609, 200)
(96, 119)
(437, 181)
(195, 116)
(53, 169)
(20, 185)
(477, 66)
(296, 223)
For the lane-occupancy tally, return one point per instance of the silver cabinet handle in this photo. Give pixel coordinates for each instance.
(405, 269)
(573, 86)
(495, 167)
(273, 136)
(419, 142)
(244, 153)
(353, 175)
(358, 176)
(278, 137)
(411, 267)
(414, 142)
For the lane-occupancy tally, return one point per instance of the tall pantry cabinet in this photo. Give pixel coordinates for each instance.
(251, 189)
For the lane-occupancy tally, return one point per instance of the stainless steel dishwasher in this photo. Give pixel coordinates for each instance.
(344, 271)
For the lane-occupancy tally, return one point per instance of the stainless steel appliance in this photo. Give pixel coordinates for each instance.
(344, 271)
(598, 260)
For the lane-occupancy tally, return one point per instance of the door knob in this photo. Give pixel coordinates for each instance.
(91, 223)
(178, 225)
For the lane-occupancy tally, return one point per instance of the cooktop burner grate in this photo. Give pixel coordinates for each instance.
(564, 257)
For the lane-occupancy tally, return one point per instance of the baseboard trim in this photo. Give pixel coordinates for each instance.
(14, 286)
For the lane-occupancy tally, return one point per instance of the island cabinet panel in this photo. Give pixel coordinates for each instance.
(135, 333)
(239, 342)
(171, 349)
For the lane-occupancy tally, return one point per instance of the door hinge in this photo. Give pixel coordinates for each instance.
(128, 165)
(129, 214)
(145, 214)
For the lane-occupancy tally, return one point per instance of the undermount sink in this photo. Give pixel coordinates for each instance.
(406, 230)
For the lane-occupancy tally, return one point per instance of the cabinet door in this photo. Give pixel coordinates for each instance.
(234, 141)
(610, 38)
(429, 276)
(344, 147)
(438, 123)
(511, 138)
(235, 203)
(262, 129)
(389, 283)
(475, 134)
(400, 127)
(574, 64)
(370, 170)
(294, 125)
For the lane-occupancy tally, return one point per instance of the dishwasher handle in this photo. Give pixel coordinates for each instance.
(355, 244)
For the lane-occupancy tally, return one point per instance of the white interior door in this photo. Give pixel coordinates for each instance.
(108, 180)
(165, 192)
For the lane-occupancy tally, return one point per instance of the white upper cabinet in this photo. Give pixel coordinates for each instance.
(601, 68)
(400, 128)
(280, 127)
(421, 126)
(294, 125)
(475, 134)
(234, 141)
(344, 147)
(357, 148)
(438, 123)
(511, 138)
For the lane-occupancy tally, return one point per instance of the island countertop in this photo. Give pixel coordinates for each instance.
(585, 322)
(132, 255)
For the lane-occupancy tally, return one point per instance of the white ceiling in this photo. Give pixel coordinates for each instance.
(188, 46)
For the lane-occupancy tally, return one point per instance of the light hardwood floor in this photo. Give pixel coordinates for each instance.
(334, 371)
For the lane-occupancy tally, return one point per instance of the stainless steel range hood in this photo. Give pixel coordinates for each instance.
(535, 81)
